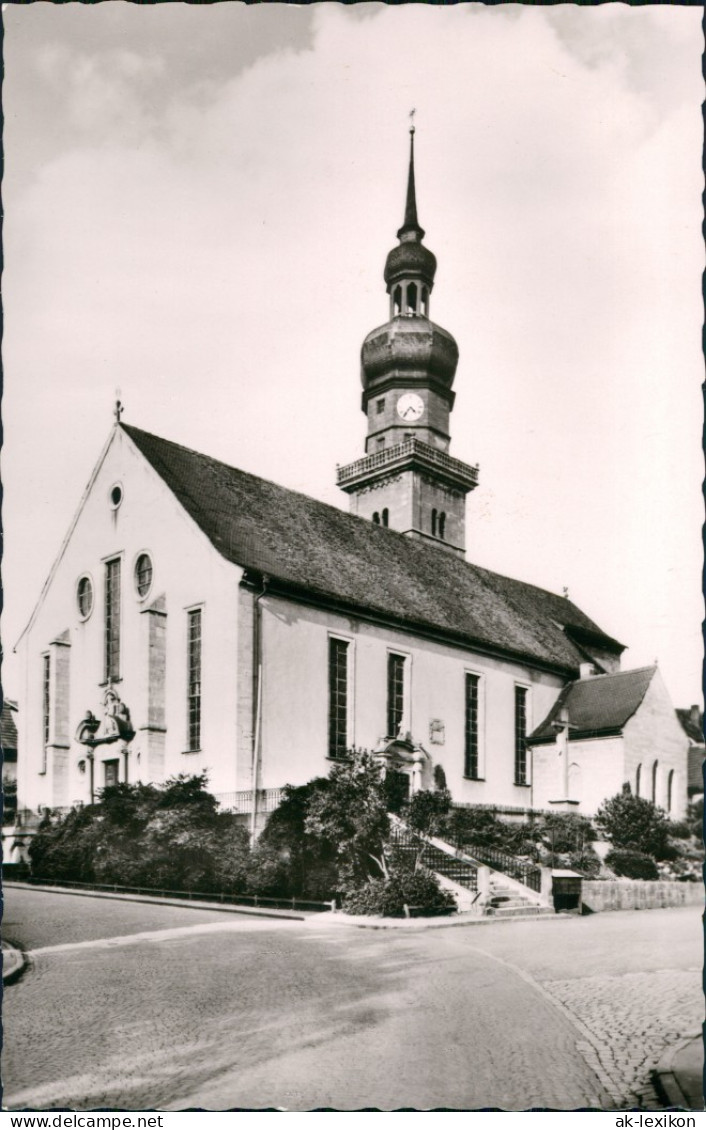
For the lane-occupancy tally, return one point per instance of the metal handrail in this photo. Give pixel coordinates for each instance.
(527, 873)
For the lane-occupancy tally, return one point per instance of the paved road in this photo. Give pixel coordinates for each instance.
(136, 1006)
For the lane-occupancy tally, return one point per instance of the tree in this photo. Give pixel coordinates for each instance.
(428, 810)
(351, 816)
(290, 860)
(635, 824)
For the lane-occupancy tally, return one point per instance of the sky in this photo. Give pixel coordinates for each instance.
(198, 204)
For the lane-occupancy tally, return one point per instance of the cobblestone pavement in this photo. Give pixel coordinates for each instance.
(631, 1020)
(629, 980)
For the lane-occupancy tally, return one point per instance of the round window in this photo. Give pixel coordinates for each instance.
(84, 596)
(116, 496)
(143, 574)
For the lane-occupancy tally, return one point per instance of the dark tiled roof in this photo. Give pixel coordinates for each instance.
(599, 705)
(693, 728)
(696, 774)
(323, 552)
(8, 729)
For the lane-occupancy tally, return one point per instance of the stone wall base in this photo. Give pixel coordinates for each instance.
(638, 894)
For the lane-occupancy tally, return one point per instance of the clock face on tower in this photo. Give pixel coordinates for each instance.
(410, 407)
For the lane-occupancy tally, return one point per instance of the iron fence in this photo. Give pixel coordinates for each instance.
(526, 873)
(223, 897)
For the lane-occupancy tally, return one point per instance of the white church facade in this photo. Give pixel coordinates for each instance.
(198, 618)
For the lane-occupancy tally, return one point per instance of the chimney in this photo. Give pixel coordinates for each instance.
(586, 670)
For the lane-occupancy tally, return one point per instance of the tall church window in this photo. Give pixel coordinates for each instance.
(638, 774)
(442, 524)
(46, 708)
(425, 301)
(112, 619)
(376, 518)
(385, 516)
(521, 695)
(194, 685)
(433, 523)
(395, 694)
(337, 697)
(470, 764)
(411, 298)
(397, 300)
(655, 767)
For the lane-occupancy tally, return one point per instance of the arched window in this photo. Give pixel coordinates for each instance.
(433, 523)
(425, 301)
(385, 516)
(376, 519)
(670, 789)
(638, 774)
(397, 299)
(442, 523)
(654, 782)
(412, 292)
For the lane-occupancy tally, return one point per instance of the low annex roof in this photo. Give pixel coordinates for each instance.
(318, 551)
(599, 705)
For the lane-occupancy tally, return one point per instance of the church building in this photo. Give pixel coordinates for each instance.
(199, 618)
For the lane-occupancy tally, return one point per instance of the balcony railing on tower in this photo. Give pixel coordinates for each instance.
(412, 450)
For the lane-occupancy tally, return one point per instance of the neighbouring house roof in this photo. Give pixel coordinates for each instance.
(692, 723)
(597, 706)
(8, 729)
(319, 552)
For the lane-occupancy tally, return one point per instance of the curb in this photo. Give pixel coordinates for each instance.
(667, 1076)
(13, 963)
(338, 918)
(191, 904)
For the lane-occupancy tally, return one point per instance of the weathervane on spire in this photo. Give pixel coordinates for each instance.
(411, 120)
(119, 409)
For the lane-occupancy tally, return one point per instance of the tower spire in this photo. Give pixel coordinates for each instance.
(411, 227)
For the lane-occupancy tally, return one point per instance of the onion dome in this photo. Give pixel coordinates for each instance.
(409, 347)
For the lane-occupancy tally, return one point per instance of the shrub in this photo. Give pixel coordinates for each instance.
(169, 836)
(632, 864)
(680, 829)
(388, 895)
(439, 777)
(634, 823)
(696, 818)
(566, 832)
(586, 862)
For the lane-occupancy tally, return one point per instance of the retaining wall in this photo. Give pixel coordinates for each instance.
(638, 894)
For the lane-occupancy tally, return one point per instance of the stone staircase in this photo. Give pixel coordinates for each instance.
(505, 901)
(477, 886)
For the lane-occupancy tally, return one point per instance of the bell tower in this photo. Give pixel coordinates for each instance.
(407, 480)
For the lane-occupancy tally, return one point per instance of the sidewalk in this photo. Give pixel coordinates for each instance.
(680, 1073)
